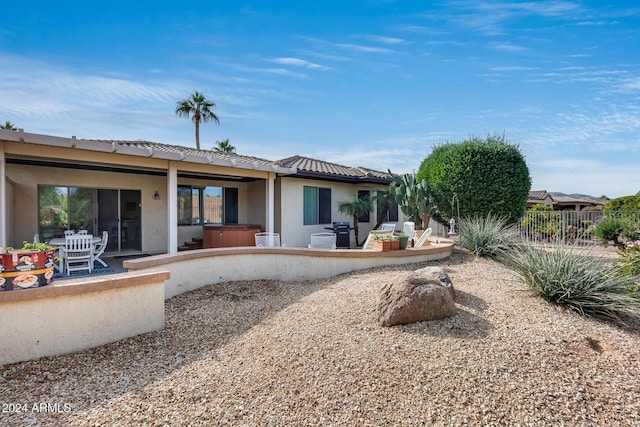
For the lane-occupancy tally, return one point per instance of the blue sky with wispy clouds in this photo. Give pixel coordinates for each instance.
(363, 83)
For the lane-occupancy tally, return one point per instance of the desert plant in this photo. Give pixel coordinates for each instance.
(613, 229)
(412, 195)
(629, 261)
(487, 175)
(490, 236)
(577, 281)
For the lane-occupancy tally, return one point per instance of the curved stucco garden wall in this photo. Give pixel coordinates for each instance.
(193, 269)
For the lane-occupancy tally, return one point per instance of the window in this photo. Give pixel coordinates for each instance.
(64, 208)
(316, 205)
(392, 214)
(364, 194)
(205, 205)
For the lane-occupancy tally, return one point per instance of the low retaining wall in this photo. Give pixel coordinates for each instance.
(193, 269)
(78, 314)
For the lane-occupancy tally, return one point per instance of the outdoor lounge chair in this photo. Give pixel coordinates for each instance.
(388, 226)
(368, 244)
(421, 241)
(323, 241)
(267, 239)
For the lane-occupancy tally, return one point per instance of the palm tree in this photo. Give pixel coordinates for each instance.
(357, 208)
(199, 108)
(9, 126)
(385, 198)
(224, 147)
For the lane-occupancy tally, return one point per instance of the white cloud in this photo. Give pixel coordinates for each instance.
(507, 47)
(299, 63)
(364, 49)
(384, 40)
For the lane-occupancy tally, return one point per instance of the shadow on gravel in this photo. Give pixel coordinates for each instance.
(463, 325)
(197, 325)
(470, 301)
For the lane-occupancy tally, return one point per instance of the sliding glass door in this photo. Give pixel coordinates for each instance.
(75, 208)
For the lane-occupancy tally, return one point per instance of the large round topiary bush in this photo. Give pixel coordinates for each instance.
(475, 178)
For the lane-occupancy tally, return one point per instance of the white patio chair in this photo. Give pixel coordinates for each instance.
(83, 232)
(368, 244)
(69, 233)
(423, 238)
(98, 250)
(388, 226)
(77, 253)
(323, 241)
(36, 238)
(267, 239)
(409, 228)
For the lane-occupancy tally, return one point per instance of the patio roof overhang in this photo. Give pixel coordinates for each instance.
(148, 150)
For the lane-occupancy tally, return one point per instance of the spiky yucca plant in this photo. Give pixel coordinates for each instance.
(581, 282)
(490, 236)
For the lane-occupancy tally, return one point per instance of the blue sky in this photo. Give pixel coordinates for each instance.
(361, 83)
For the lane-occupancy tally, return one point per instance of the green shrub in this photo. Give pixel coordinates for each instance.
(612, 229)
(483, 175)
(489, 236)
(579, 282)
(625, 203)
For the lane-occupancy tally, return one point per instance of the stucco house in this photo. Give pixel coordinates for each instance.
(561, 201)
(151, 197)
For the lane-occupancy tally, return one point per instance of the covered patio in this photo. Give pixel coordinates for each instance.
(149, 197)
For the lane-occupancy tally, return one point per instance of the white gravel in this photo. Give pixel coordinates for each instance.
(311, 353)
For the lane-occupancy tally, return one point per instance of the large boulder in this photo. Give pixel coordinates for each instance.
(425, 294)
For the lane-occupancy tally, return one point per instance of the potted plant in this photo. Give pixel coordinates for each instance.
(395, 243)
(382, 243)
(28, 267)
(403, 240)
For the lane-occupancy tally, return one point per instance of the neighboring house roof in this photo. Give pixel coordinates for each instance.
(575, 199)
(538, 195)
(318, 169)
(561, 199)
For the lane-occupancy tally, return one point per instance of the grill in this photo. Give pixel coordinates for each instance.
(343, 234)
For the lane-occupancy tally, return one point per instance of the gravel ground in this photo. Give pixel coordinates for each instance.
(311, 353)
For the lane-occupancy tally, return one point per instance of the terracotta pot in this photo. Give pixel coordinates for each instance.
(382, 245)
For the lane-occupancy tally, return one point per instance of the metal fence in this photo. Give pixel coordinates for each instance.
(569, 226)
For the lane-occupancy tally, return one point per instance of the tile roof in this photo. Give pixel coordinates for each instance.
(538, 195)
(321, 168)
(167, 148)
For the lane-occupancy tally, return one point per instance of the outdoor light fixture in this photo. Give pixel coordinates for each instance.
(156, 196)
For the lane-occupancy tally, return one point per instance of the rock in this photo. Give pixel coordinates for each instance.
(437, 273)
(426, 294)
